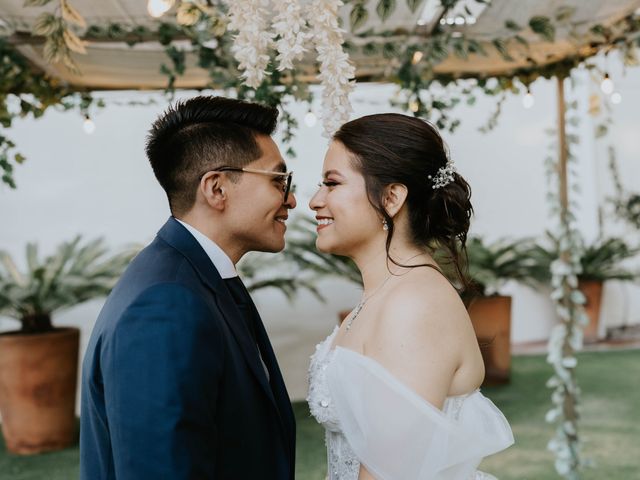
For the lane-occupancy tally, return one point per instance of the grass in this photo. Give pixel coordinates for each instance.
(609, 380)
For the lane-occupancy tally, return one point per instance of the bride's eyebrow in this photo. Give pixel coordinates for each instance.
(331, 172)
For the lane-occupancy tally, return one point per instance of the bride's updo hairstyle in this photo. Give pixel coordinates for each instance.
(393, 148)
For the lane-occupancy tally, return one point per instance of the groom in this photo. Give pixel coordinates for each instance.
(179, 379)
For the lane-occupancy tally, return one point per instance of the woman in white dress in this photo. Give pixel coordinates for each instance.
(396, 386)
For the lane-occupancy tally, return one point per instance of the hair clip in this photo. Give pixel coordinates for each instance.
(444, 176)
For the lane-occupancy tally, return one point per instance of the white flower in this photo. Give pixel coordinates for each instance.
(336, 72)
(253, 41)
(290, 27)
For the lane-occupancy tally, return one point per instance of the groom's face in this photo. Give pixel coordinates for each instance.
(257, 202)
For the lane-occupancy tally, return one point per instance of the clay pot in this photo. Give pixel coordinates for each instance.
(38, 377)
(491, 319)
(592, 289)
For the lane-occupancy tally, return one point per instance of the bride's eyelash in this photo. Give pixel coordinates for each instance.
(328, 183)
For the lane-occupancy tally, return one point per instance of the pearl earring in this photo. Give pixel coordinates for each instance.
(385, 225)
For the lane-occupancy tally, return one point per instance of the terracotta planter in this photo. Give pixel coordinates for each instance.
(38, 376)
(592, 289)
(491, 319)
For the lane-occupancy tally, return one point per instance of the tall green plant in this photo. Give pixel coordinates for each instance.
(75, 273)
(600, 261)
(492, 264)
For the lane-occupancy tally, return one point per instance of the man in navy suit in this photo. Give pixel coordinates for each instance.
(179, 379)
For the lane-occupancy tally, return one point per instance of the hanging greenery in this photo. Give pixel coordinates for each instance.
(412, 58)
(566, 338)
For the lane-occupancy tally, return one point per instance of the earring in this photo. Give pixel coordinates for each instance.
(385, 225)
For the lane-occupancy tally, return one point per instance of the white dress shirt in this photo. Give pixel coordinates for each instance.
(220, 260)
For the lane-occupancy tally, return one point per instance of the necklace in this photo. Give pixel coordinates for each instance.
(360, 305)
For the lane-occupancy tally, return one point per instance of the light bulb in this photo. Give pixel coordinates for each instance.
(414, 106)
(310, 119)
(157, 8)
(417, 56)
(616, 98)
(88, 126)
(607, 85)
(528, 100)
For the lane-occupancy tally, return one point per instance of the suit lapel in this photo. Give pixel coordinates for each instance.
(179, 238)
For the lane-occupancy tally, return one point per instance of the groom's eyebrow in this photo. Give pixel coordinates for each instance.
(280, 167)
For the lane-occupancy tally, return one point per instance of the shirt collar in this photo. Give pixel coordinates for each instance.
(220, 260)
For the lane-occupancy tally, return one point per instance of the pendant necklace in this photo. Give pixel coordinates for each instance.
(360, 305)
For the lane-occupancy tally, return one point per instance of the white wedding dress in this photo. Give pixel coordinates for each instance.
(371, 417)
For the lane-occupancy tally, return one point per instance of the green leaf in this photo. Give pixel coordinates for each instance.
(35, 3)
(19, 158)
(564, 13)
(385, 8)
(501, 46)
(414, 5)
(543, 27)
(358, 16)
(45, 25)
(511, 25)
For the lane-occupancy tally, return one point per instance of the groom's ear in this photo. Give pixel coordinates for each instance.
(212, 188)
(394, 197)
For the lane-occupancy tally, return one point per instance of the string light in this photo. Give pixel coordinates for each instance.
(414, 106)
(310, 119)
(528, 100)
(616, 98)
(417, 56)
(607, 85)
(157, 8)
(88, 126)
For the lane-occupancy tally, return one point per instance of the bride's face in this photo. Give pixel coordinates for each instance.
(347, 222)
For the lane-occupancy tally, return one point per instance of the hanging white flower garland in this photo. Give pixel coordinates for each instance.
(251, 45)
(336, 72)
(290, 28)
(253, 41)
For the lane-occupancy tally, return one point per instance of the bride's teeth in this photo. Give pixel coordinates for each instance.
(325, 221)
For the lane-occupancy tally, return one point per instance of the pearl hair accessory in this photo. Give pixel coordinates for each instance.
(444, 176)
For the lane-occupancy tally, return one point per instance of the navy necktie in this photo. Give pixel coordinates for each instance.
(241, 299)
(243, 302)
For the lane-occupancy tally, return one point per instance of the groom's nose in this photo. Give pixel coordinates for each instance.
(291, 202)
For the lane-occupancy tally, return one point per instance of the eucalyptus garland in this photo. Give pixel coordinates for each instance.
(566, 338)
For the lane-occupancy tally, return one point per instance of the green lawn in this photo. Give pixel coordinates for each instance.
(610, 382)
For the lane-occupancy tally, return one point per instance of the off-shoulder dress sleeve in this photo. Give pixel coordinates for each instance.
(397, 435)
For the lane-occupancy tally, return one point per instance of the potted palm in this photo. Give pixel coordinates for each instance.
(601, 261)
(490, 266)
(39, 362)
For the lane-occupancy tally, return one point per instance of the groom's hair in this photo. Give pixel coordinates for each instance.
(197, 135)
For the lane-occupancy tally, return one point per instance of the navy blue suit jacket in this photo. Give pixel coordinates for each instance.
(172, 382)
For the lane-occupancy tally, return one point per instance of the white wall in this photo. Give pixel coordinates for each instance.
(101, 185)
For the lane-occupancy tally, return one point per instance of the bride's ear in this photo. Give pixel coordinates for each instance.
(395, 195)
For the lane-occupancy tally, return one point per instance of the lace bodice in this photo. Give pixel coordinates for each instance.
(342, 462)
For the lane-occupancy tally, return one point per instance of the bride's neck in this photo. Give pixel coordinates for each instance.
(376, 267)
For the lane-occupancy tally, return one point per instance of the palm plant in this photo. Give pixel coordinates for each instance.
(75, 273)
(600, 261)
(491, 265)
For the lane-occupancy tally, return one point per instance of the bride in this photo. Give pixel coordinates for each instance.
(396, 386)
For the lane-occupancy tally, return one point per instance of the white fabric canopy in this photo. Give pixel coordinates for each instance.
(115, 65)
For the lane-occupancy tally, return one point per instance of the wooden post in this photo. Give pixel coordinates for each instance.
(563, 153)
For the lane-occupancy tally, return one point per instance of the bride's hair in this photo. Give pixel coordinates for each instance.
(393, 148)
